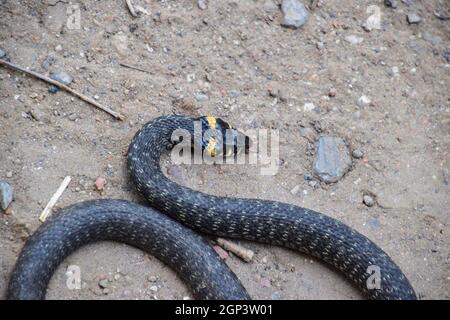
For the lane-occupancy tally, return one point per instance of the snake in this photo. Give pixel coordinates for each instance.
(170, 227)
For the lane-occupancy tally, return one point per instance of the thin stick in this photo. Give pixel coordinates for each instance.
(131, 8)
(64, 87)
(241, 252)
(48, 208)
(126, 65)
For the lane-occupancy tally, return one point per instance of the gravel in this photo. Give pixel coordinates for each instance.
(332, 159)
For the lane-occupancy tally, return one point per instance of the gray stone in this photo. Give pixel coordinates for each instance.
(200, 97)
(357, 154)
(368, 200)
(2, 53)
(295, 14)
(6, 194)
(413, 18)
(202, 4)
(332, 159)
(103, 283)
(62, 77)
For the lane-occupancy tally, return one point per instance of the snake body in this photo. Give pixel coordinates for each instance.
(263, 221)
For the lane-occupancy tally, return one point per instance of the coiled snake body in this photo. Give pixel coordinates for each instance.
(263, 221)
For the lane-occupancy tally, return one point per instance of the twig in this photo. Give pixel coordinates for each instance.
(48, 208)
(126, 65)
(63, 87)
(241, 252)
(131, 8)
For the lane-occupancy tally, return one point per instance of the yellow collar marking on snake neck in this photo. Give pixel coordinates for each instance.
(211, 148)
(211, 121)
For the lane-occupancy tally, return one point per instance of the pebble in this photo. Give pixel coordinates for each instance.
(332, 159)
(6, 194)
(9, 174)
(357, 154)
(277, 91)
(62, 77)
(103, 283)
(391, 3)
(202, 4)
(308, 107)
(363, 101)
(2, 53)
(100, 183)
(332, 93)
(152, 278)
(354, 39)
(58, 48)
(154, 288)
(413, 18)
(200, 97)
(73, 117)
(368, 200)
(294, 14)
(276, 296)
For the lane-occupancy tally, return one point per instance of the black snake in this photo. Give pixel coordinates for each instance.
(191, 257)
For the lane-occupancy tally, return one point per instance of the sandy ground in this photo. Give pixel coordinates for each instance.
(233, 52)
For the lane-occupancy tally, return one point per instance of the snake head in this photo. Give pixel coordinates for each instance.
(220, 139)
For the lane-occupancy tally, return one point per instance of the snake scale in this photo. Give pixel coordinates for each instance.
(183, 250)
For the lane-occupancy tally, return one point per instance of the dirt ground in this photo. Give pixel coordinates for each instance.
(223, 61)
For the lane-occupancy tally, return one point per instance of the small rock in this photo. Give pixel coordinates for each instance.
(2, 53)
(308, 107)
(117, 276)
(36, 113)
(276, 296)
(277, 91)
(58, 48)
(9, 174)
(154, 288)
(100, 183)
(391, 3)
(354, 39)
(357, 154)
(202, 4)
(6, 194)
(103, 283)
(332, 159)
(368, 200)
(62, 77)
(294, 14)
(413, 18)
(221, 252)
(52, 88)
(200, 97)
(332, 93)
(363, 101)
(152, 278)
(73, 117)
